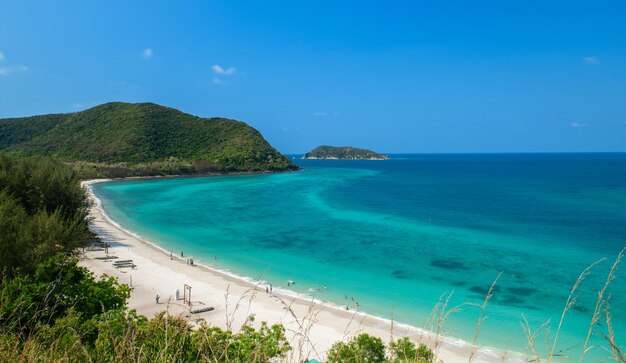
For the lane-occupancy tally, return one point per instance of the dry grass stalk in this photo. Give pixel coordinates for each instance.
(597, 312)
(571, 301)
(531, 337)
(618, 356)
(481, 317)
(302, 335)
(439, 316)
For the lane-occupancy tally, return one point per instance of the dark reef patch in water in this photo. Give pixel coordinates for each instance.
(511, 300)
(522, 290)
(402, 275)
(481, 290)
(448, 264)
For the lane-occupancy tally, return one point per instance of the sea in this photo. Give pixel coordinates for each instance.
(400, 237)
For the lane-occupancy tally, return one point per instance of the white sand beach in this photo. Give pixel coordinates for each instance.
(312, 326)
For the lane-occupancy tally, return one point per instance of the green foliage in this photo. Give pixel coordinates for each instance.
(117, 332)
(342, 152)
(42, 212)
(249, 345)
(403, 351)
(122, 139)
(363, 348)
(15, 131)
(40, 183)
(128, 337)
(59, 288)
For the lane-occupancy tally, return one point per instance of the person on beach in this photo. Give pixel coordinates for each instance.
(191, 261)
(267, 289)
(157, 298)
(182, 254)
(270, 288)
(288, 283)
(171, 257)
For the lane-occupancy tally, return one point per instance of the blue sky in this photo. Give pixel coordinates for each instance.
(492, 76)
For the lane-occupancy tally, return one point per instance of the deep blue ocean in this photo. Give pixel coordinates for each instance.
(395, 235)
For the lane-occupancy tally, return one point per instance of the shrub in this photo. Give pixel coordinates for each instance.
(403, 350)
(363, 348)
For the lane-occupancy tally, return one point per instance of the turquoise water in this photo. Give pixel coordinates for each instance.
(395, 235)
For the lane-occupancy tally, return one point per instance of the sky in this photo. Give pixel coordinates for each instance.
(393, 76)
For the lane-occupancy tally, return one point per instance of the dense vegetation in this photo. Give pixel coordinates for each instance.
(366, 348)
(343, 152)
(42, 212)
(121, 139)
(51, 309)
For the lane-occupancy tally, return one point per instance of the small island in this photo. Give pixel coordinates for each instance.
(343, 153)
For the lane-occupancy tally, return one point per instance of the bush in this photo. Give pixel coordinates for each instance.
(363, 348)
(58, 286)
(249, 344)
(403, 350)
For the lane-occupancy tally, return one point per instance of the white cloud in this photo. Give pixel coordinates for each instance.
(5, 71)
(591, 60)
(218, 81)
(578, 125)
(147, 53)
(217, 69)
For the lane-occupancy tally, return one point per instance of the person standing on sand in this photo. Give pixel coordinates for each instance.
(182, 254)
(157, 298)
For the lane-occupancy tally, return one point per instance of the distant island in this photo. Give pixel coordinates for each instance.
(343, 153)
(142, 139)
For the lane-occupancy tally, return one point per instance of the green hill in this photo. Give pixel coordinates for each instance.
(122, 139)
(343, 152)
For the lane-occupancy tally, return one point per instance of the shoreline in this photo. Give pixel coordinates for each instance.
(312, 325)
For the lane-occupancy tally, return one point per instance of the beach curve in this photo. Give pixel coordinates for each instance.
(312, 325)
